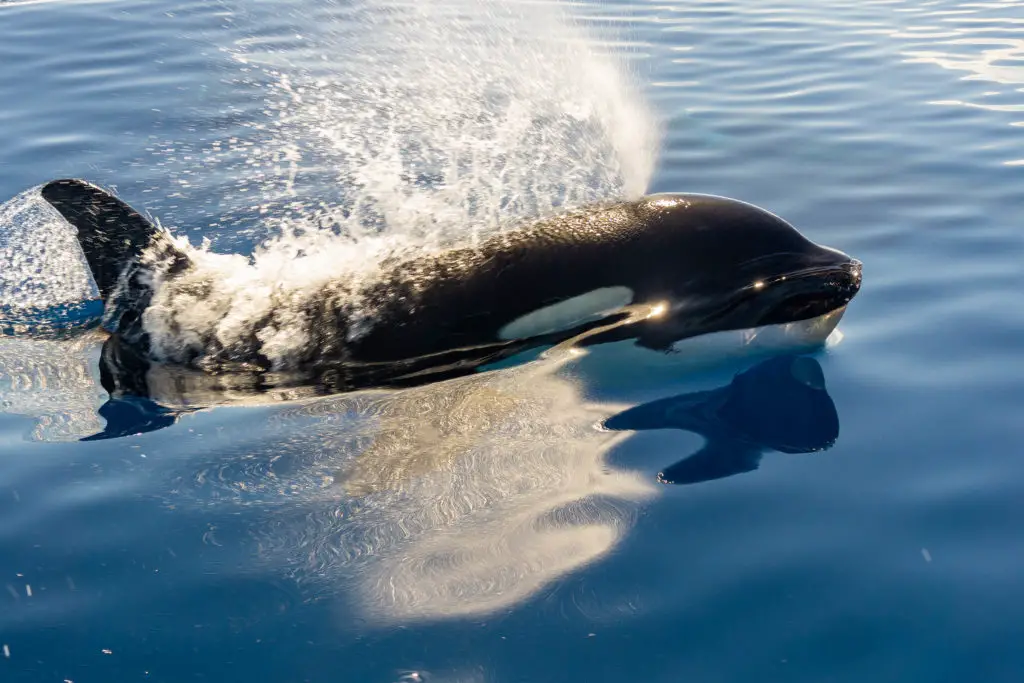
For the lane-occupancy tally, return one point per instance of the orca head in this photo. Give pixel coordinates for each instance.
(782, 288)
(743, 268)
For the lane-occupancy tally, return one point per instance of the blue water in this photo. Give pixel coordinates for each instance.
(538, 549)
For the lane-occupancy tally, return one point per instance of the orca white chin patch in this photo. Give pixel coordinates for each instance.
(568, 313)
(782, 337)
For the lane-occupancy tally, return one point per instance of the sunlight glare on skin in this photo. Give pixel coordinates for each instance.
(658, 310)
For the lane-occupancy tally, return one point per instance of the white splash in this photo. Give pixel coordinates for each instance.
(41, 262)
(443, 119)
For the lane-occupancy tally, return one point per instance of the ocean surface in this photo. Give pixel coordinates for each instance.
(851, 515)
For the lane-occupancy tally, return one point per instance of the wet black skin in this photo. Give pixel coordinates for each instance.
(716, 264)
(702, 256)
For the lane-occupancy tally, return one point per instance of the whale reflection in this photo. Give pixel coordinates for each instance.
(471, 494)
(447, 500)
(62, 384)
(778, 405)
(85, 388)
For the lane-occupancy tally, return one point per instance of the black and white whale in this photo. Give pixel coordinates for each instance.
(659, 270)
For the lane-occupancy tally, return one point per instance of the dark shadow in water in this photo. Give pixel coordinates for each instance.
(128, 415)
(142, 392)
(778, 405)
(129, 410)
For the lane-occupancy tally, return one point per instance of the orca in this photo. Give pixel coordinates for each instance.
(657, 271)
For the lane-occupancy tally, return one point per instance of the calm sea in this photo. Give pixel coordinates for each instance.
(854, 515)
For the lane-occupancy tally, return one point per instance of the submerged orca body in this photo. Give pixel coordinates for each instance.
(692, 264)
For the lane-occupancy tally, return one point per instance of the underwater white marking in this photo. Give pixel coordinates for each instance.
(568, 313)
(781, 337)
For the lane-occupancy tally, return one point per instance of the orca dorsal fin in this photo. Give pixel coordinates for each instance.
(111, 233)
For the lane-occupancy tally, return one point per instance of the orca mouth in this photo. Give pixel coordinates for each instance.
(810, 293)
